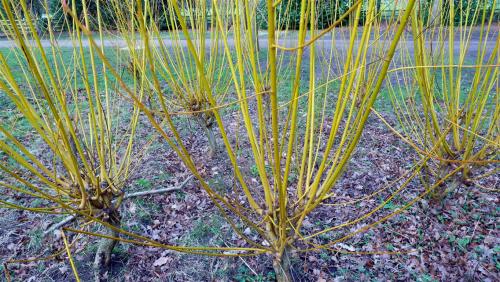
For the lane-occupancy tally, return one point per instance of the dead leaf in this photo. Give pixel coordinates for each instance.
(161, 261)
(347, 247)
(63, 269)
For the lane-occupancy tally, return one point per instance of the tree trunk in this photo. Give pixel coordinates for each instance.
(282, 267)
(106, 246)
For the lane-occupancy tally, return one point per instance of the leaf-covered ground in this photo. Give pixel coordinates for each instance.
(456, 239)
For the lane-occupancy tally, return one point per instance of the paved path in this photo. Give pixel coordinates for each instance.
(340, 43)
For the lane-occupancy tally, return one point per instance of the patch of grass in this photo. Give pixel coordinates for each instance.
(36, 239)
(365, 240)
(463, 243)
(180, 195)
(221, 273)
(244, 274)
(390, 205)
(121, 249)
(164, 176)
(324, 256)
(16, 124)
(420, 234)
(37, 202)
(64, 56)
(325, 236)
(254, 171)
(144, 183)
(390, 247)
(451, 238)
(135, 228)
(441, 218)
(217, 183)
(425, 278)
(342, 271)
(205, 230)
(144, 210)
(91, 249)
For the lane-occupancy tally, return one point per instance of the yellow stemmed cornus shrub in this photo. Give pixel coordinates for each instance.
(79, 149)
(300, 137)
(181, 80)
(448, 85)
(275, 207)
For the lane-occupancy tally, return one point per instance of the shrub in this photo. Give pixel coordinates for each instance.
(79, 151)
(466, 12)
(271, 206)
(451, 112)
(288, 13)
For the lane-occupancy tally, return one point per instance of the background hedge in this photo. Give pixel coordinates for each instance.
(329, 10)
